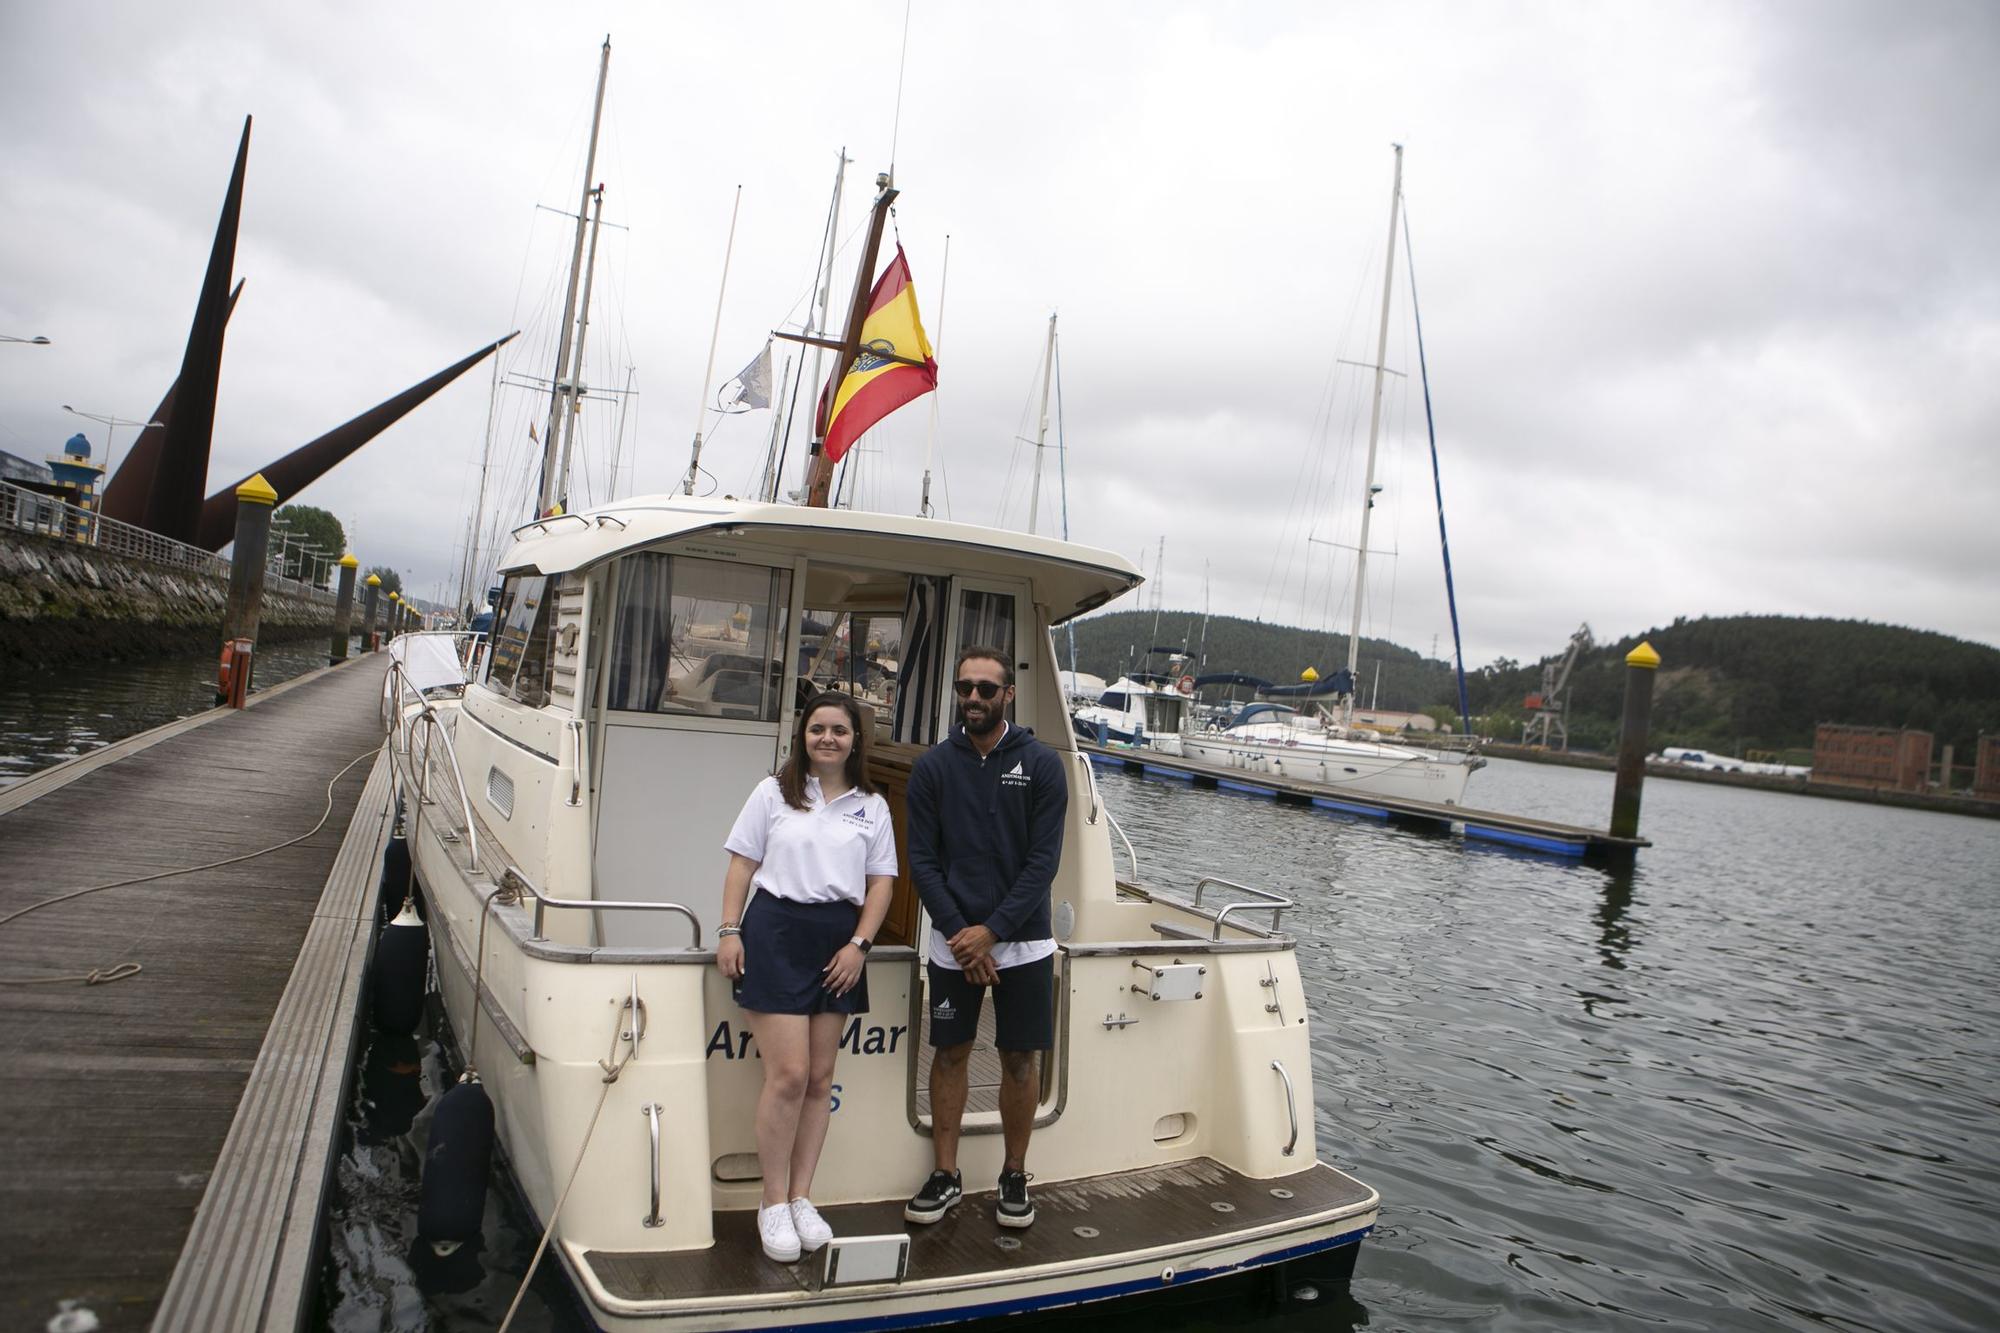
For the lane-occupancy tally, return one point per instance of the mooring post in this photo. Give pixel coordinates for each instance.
(255, 500)
(1642, 664)
(395, 614)
(369, 601)
(343, 609)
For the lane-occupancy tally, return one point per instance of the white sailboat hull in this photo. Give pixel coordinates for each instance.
(1370, 768)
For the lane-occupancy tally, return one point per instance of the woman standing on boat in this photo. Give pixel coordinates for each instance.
(815, 842)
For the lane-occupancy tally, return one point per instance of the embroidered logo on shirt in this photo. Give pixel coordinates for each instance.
(856, 817)
(1015, 777)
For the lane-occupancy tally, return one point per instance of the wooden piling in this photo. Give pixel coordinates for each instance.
(343, 610)
(368, 604)
(1642, 665)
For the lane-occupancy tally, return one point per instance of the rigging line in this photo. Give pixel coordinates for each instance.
(1437, 481)
(896, 123)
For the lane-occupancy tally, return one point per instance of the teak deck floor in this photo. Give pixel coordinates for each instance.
(117, 1098)
(1131, 1210)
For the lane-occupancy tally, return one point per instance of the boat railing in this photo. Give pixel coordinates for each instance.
(404, 729)
(1258, 900)
(512, 879)
(1098, 810)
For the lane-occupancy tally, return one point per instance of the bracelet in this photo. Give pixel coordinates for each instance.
(724, 932)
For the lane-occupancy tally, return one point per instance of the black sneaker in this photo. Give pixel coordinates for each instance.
(935, 1199)
(1015, 1209)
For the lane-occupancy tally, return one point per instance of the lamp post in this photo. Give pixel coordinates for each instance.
(37, 341)
(110, 424)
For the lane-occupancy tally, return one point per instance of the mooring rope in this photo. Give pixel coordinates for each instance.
(611, 1072)
(98, 975)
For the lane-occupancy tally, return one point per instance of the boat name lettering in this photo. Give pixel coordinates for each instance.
(735, 1043)
(721, 552)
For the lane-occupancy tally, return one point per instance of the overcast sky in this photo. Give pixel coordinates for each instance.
(1711, 292)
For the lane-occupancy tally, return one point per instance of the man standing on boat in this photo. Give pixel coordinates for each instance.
(986, 810)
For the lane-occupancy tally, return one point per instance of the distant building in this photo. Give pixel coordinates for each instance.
(1388, 719)
(17, 469)
(1879, 757)
(1986, 772)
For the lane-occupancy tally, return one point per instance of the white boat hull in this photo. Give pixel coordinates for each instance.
(1361, 767)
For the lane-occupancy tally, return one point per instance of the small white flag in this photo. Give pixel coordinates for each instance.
(753, 382)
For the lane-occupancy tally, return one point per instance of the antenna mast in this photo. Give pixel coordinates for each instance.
(551, 481)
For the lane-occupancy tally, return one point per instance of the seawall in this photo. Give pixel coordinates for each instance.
(62, 601)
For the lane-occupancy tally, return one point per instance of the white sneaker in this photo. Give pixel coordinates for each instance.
(812, 1228)
(775, 1229)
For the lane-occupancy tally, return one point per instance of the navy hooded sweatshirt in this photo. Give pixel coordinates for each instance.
(986, 833)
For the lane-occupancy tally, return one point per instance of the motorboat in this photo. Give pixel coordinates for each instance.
(565, 808)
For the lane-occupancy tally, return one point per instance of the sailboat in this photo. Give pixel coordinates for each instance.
(567, 811)
(1309, 743)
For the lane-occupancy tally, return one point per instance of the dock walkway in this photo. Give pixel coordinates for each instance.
(192, 1085)
(1542, 836)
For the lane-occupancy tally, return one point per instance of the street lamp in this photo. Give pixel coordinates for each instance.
(110, 424)
(37, 341)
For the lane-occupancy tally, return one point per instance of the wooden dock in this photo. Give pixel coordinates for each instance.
(168, 1134)
(1540, 836)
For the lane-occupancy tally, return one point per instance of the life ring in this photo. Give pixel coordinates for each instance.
(1185, 685)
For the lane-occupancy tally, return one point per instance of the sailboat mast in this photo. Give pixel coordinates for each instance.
(551, 481)
(826, 275)
(767, 489)
(1042, 431)
(576, 353)
(1374, 432)
(714, 335)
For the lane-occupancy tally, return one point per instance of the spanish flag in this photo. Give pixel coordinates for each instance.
(875, 386)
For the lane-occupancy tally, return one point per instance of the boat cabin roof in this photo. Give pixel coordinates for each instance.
(1069, 579)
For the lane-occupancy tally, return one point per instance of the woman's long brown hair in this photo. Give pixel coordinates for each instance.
(792, 773)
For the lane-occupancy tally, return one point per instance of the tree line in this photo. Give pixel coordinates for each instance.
(1730, 683)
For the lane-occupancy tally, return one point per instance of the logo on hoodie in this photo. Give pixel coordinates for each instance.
(1015, 776)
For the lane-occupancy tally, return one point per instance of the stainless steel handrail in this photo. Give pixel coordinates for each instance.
(1261, 900)
(458, 780)
(1131, 854)
(1090, 775)
(543, 523)
(575, 727)
(1291, 1106)
(514, 876)
(651, 1110)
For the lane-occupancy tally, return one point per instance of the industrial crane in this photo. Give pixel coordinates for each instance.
(1548, 712)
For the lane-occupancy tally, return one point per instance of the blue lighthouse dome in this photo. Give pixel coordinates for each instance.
(77, 446)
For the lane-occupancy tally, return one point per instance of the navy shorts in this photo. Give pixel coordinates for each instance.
(786, 947)
(1024, 1006)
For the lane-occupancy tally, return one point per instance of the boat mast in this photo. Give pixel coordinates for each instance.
(826, 287)
(1374, 430)
(576, 353)
(714, 334)
(767, 488)
(551, 482)
(1042, 431)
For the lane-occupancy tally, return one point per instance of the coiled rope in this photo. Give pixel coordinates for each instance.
(98, 976)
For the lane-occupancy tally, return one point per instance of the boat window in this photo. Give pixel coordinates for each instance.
(1163, 713)
(1113, 699)
(986, 619)
(855, 652)
(699, 636)
(523, 639)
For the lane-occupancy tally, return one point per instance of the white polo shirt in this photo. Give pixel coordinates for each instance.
(824, 853)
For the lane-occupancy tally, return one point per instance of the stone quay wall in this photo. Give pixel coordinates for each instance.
(64, 601)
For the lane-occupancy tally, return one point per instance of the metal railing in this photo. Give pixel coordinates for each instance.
(1260, 900)
(29, 511)
(513, 878)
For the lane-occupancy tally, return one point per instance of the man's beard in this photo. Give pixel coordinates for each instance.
(989, 719)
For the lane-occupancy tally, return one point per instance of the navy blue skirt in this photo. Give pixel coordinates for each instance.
(786, 947)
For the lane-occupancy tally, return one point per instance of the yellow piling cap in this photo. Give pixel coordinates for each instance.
(395, 597)
(257, 491)
(1643, 657)
(374, 580)
(1309, 675)
(348, 561)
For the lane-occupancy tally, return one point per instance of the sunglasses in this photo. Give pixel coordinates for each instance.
(987, 689)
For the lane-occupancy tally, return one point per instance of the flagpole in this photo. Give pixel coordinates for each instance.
(819, 477)
(701, 399)
(930, 440)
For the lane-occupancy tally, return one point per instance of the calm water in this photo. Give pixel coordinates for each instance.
(1752, 1084)
(51, 714)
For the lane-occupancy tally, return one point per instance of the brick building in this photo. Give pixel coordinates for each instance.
(1872, 757)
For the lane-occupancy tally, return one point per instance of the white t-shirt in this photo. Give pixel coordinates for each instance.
(822, 854)
(1004, 953)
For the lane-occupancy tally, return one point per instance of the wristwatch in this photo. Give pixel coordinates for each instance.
(862, 944)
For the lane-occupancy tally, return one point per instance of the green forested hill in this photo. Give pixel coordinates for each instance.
(1734, 683)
